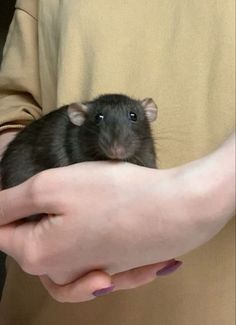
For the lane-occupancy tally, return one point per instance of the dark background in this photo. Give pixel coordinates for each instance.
(6, 13)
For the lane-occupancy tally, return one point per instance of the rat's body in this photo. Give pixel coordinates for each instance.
(109, 127)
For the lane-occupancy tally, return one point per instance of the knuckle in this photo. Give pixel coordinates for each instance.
(58, 296)
(38, 183)
(32, 262)
(57, 292)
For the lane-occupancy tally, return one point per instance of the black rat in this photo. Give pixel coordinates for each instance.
(110, 127)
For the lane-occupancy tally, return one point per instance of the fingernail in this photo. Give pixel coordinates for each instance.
(104, 291)
(170, 268)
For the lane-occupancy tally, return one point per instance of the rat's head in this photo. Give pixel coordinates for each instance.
(115, 126)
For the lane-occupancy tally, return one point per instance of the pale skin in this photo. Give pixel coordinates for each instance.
(99, 220)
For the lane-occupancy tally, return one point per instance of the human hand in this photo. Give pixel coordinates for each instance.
(93, 283)
(223, 159)
(192, 225)
(80, 219)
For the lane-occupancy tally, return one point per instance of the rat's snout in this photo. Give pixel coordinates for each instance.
(113, 149)
(118, 151)
(115, 141)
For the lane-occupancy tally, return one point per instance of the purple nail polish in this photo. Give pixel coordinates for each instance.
(104, 291)
(172, 267)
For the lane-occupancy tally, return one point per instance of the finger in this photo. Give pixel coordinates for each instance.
(142, 275)
(28, 198)
(17, 240)
(15, 203)
(6, 236)
(93, 284)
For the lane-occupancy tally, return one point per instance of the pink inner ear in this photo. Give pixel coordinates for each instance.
(77, 113)
(151, 114)
(150, 109)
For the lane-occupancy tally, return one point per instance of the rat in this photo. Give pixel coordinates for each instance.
(110, 127)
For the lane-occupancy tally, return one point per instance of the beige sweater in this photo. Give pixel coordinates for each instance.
(180, 53)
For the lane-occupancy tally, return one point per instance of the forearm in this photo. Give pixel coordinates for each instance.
(210, 182)
(184, 207)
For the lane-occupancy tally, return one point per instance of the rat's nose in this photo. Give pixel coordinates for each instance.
(118, 152)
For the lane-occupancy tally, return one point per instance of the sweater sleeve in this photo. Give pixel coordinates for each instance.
(20, 97)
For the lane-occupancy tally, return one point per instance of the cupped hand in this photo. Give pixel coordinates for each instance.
(25, 240)
(114, 216)
(99, 217)
(95, 283)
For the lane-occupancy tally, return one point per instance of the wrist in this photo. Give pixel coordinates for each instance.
(210, 184)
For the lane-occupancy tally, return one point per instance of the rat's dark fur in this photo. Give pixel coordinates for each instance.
(54, 141)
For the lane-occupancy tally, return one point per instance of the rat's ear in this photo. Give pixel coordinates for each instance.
(150, 109)
(77, 113)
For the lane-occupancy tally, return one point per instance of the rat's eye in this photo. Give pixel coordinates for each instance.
(133, 116)
(99, 117)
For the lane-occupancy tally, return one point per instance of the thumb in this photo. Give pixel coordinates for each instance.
(91, 285)
(29, 198)
(16, 203)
